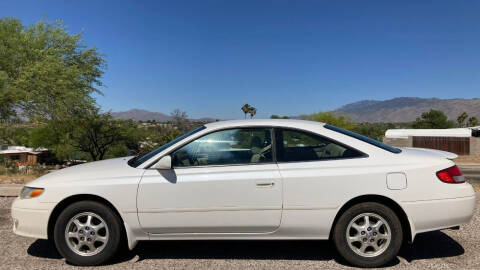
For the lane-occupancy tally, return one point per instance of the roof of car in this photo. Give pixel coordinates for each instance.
(263, 122)
(447, 132)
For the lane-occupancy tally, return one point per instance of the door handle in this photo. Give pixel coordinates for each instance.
(265, 184)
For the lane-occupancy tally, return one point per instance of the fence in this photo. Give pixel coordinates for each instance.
(457, 145)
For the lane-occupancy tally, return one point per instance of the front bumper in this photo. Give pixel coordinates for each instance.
(30, 217)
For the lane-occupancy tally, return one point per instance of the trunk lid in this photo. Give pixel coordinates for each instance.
(440, 153)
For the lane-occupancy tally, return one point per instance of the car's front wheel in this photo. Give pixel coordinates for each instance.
(368, 235)
(87, 233)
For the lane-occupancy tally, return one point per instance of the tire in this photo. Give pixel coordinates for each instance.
(88, 242)
(373, 245)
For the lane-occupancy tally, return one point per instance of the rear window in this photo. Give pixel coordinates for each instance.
(365, 139)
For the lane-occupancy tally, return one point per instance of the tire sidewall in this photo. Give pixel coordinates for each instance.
(348, 254)
(106, 214)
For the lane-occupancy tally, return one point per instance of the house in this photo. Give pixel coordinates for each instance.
(23, 154)
(462, 141)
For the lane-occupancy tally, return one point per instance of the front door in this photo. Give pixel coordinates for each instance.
(223, 182)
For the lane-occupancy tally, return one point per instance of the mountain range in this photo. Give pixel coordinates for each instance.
(406, 109)
(144, 115)
(401, 109)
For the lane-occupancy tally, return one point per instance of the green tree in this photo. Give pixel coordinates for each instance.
(95, 134)
(342, 121)
(11, 134)
(461, 119)
(472, 122)
(46, 136)
(246, 109)
(46, 72)
(252, 111)
(92, 133)
(156, 136)
(433, 119)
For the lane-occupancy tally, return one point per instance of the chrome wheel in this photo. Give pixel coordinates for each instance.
(368, 235)
(86, 234)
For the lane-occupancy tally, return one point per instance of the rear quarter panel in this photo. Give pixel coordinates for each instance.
(314, 192)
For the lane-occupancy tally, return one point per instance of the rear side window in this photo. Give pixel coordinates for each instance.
(364, 139)
(295, 145)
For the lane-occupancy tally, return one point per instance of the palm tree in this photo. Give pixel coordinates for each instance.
(461, 119)
(246, 109)
(252, 111)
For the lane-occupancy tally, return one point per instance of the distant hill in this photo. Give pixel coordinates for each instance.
(141, 115)
(144, 115)
(402, 109)
(405, 109)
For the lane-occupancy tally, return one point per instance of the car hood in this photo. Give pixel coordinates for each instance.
(429, 152)
(105, 169)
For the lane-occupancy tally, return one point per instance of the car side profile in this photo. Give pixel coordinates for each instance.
(250, 179)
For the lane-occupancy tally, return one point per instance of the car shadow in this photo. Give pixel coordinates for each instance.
(431, 245)
(43, 249)
(426, 246)
(240, 250)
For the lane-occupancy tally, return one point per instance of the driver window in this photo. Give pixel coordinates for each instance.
(233, 146)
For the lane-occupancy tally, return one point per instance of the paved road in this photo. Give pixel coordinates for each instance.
(472, 173)
(436, 250)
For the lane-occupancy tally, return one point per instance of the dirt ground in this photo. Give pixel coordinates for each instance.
(17, 178)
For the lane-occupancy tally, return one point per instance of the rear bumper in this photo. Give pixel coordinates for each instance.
(30, 218)
(434, 215)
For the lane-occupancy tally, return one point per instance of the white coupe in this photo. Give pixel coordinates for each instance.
(250, 179)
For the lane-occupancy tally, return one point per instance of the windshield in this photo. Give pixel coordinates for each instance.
(139, 160)
(365, 139)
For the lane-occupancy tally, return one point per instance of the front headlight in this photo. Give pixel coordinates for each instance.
(30, 192)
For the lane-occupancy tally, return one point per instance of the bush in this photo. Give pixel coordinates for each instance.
(12, 169)
(3, 170)
(38, 169)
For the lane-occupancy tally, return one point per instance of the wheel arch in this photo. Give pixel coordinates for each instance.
(405, 222)
(83, 197)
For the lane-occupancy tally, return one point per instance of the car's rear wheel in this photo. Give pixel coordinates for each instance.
(87, 233)
(368, 235)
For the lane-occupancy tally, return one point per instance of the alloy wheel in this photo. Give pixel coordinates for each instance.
(86, 234)
(368, 235)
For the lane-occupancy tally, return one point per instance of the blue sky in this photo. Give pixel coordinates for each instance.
(283, 57)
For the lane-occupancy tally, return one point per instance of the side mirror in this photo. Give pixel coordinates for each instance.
(165, 163)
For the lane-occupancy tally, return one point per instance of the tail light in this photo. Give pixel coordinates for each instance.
(451, 175)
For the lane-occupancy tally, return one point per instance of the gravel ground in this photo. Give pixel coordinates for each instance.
(435, 250)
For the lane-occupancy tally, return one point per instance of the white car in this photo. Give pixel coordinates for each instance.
(250, 179)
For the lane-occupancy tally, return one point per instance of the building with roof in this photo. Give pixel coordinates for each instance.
(23, 154)
(462, 141)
